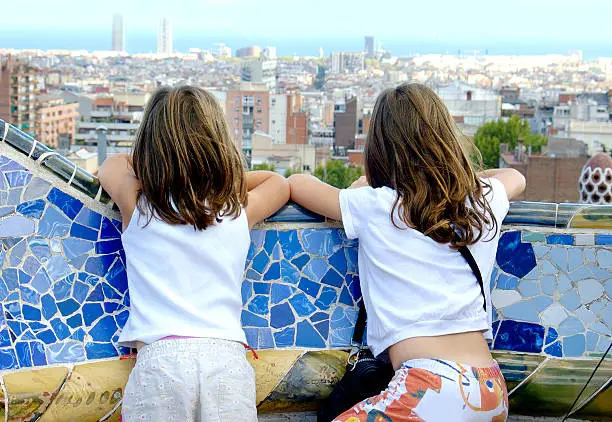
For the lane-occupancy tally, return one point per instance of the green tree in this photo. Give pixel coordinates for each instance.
(489, 136)
(339, 174)
(263, 166)
(291, 171)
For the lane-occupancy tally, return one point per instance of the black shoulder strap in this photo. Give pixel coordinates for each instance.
(360, 324)
(474, 266)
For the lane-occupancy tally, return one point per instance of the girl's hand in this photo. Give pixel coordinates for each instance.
(359, 183)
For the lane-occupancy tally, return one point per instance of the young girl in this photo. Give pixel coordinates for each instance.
(187, 207)
(419, 202)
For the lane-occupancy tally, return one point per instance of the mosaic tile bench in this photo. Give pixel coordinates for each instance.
(64, 298)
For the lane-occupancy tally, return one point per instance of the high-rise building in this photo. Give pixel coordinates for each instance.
(288, 121)
(118, 33)
(54, 119)
(248, 110)
(347, 62)
(269, 52)
(260, 71)
(17, 85)
(369, 48)
(346, 122)
(250, 51)
(164, 37)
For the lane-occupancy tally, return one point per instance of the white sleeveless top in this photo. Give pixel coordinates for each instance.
(412, 285)
(184, 282)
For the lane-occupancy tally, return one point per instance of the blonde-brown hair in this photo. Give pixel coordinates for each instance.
(189, 169)
(414, 147)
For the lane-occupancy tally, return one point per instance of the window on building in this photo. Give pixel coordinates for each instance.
(259, 110)
(258, 100)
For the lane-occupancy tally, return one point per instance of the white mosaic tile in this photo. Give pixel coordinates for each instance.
(584, 239)
(554, 315)
(503, 298)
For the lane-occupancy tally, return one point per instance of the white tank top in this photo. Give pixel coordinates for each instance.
(184, 282)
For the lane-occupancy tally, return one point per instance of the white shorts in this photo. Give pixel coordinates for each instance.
(191, 379)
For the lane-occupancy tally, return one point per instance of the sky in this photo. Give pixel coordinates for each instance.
(452, 23)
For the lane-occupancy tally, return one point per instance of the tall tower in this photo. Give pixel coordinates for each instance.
(369, 47)
(118, 33)
(164, 37)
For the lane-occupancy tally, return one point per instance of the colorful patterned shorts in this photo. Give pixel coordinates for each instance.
(433, 390)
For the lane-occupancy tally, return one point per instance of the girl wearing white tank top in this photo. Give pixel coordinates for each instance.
(187, 207)
(420, 201)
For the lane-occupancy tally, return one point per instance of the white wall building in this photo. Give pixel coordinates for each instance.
(260, 72)
(471, 106)
(283, 157)
(164, 37)
(278, 118)
(597, 135)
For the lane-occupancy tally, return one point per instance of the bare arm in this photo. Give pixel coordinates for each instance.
(268, 192)
(118, 180)
(311, 193)
(512, 179)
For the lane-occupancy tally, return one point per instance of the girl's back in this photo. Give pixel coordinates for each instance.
(184, 282)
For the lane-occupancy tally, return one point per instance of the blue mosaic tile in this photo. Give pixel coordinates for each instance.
(76, 247)
(589, 290)
(520, 337)
(82, 232)
(38, 353)
(570, 300)
(551, 336)
(513, 256)
(117, 276)
(555, 349)
(75, 321)
(4, 211)
(341, 327)
(345, 297)
(246, 291)
(354, 286)
(100, 350)
(302, 305)
(309, 287)
(265, 339)
(91, 312)
(104, 329)
(323, 328)
(301, 260)
(80, 291)
(506, 282)
(99, 265)
(289, 274)
(40, 248)
(591, 341)
(8, 359)
(67, 352)
(327, 297)
(261, 288)
(121, 318)
(28, 295)
(68, 307)
(560, 239)
(46, 336)
(17, 178)
(41, 281)
(571, 325)
(563, 283)
(108, 246)
(307, 336)
(332, 278)
(574, 345)
(280, 292)
(57, 267)
(16, 225)
(111, 307)
(542, 302)
(580, 274)
(273, 272)
(271, 239)
(316, 269)
(31, 265)
(24, 354)
(249, 319)
(529, 288)
(258, 237)
(110, 293)
(252, 337)
(14, 196)
(37, 188)
(260, 262)
(606, 315)
(285, 338)
(31, 313)
(89, 218)
(5, 338)
(574, 258)
(62, 288)
(32, 208)
(548, 268)
(281, 316)
(522, 311)
(108, 230)
(259, 305)
(277, 253)
(338, 261)
(60, 329)
(548, 285)
(53, 223)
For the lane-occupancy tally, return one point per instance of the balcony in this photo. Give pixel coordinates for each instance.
(550, 289)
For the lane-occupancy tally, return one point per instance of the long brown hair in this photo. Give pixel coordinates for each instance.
(414, 147)
(189, 169)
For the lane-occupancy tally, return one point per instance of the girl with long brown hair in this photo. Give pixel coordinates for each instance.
(420, 202)
(187, 207)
